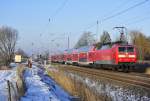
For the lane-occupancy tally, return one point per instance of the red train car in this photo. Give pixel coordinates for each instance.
(54, 58)
(84, 54)
(64, 57)
(69, 56)
(75, 57)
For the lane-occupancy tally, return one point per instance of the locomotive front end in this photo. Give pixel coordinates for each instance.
(126, 54)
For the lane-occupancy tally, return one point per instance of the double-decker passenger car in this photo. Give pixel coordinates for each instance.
(75, 57)
(84, 54)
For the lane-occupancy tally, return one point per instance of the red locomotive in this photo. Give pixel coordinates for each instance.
(117, 57)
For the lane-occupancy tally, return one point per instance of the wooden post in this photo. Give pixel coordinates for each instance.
(9, 90)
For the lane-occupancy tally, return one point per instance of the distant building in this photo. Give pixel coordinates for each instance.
(17, 58)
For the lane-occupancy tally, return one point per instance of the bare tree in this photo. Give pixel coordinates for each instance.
(105, 38)
(46, 55)
(8, 39)
(142, 43)
(86, 39)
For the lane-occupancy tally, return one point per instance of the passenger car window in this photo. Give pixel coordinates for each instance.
(105, 47)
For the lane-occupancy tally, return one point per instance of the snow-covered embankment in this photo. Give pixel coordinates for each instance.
(8, 87)
(40, 87)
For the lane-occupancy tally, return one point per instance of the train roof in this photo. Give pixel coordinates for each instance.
(69, 50)
(86, 48)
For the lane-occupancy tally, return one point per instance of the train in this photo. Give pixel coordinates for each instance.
(117, 56)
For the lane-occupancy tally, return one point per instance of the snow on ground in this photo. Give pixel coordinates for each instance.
(40, 87)
(4, 76)
(116, 92)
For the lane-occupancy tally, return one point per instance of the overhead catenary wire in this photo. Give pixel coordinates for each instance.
(114, 15)
(89, 26)
(120, 5)
(139, 20)
(106, 18)
(53, 15)
(125, 10)
(58, 10)
(96, 23)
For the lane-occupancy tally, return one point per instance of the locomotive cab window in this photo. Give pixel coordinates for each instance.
(130, 49)
(126, 49)
(122, 49)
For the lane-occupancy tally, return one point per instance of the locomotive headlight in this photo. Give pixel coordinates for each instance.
(131, 56)
(121, 56)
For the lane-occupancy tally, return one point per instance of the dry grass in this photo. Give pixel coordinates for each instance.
(63, 80)
(148, 70)
(73, 86)
(86, 93)
(4, 68)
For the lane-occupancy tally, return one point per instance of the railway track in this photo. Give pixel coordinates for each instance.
(135, 79)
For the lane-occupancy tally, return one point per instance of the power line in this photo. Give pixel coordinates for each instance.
(54, 14)
(89, 26)
(58, 10)
(125, 10)
(49, 19)
(119, 6)
(116, 14)
(139, 20)
(97, 22)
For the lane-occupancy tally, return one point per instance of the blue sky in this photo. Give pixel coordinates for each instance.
(31, 19)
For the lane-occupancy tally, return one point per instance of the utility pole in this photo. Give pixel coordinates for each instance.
(97, 30)
(68, 42)
(32, 49)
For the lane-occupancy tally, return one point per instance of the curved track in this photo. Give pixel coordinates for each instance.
(135, 79)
